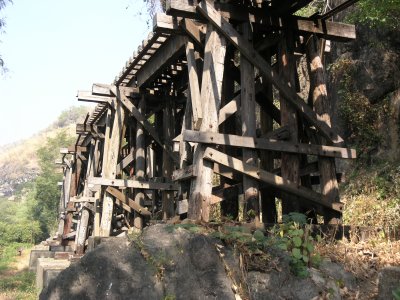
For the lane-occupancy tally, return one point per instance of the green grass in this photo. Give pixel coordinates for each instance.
(8, 254)
(20, 285)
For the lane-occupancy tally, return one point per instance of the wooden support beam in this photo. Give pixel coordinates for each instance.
(213, 71)
(269, 178)
(126, 161)
(113, 144)
(101, 89)
(183, 174)
(196, 30)
(82, 231)
(140, 118)
(248, 118)
(163, 23)
(251, 54)
(322, 105)
(87, 96)
(140, 161)
(272, 145)
(167, 165)
(268, 205)
(290, 162)
(324, 29)
(167, 53)
(72, 149)
(127, 203)
(136, 184)
(194, 89)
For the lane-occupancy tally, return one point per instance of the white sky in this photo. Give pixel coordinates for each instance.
(53, 48)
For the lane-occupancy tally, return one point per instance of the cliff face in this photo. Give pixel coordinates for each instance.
(364, 80)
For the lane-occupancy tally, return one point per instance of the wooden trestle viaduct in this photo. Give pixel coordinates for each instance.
(207, 109)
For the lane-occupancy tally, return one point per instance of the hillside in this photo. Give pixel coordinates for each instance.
(19, 162)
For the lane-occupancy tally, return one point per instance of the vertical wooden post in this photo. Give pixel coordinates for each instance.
(140, 162)
(230, 205)
(248, 116)
(167, 165)
(322, 106)
(81, 231)
(112, 145)
(290, 162)
(213, 70)
(268, 207)
(194, 90)
(89, 169)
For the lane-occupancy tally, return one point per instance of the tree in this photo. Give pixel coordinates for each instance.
(378, 13)
(3, 4)
(44, 206)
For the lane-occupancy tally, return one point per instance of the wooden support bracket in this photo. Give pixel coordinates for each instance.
(269, 178)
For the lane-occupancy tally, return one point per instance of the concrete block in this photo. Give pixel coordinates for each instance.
(389, 280)
(35, 254)
(50, 274)
(62, 255)
(44, 264)
(41, 247)
(61, 248)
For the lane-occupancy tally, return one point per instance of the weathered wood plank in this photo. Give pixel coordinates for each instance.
(82, 231)
(195, 30)
(213, 70)
(194, 86)
(126, 201)
(109, 166)
(87, 96)
(182, 174)
(322, 105)
(126, 161)
(73, 149)
(101, 89)
(129, 183)
(163, 23)
(272, 145)
(252, 55)
(140, 162)
(248, 118)
(269, 178)
(167, 165)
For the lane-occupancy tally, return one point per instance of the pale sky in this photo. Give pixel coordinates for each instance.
(53, 48)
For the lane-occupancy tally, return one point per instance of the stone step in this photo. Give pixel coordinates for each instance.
(48, 269)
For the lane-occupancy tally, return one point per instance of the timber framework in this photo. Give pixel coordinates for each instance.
(209, 110)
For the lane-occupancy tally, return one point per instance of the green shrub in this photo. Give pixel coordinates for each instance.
(294, 236)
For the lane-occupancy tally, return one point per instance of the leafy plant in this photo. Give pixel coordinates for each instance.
(377, 13)
(294, 236)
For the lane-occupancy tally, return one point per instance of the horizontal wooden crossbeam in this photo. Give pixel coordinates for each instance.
(72, 149)
(325, 29)
(266, 144)
(269, 178)
(129, 183)
(87, 96)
